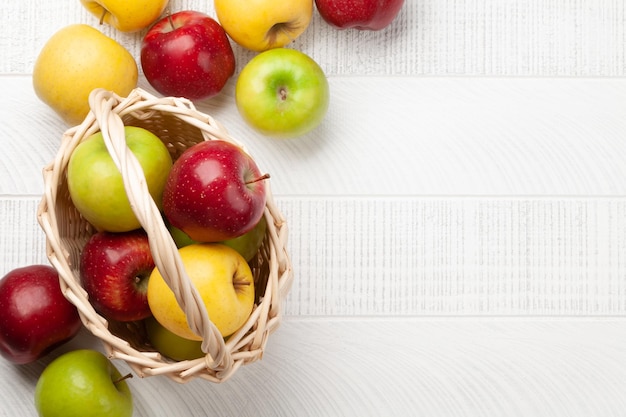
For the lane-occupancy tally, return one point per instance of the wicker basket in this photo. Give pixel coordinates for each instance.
(179, 125)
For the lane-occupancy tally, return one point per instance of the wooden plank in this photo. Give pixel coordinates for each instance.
(466, 256)
(22, 241)
(428, 256)
(395, 367)
(429, 37)
(450, 136)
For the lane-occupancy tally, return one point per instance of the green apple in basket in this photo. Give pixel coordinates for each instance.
(170, 344)
(95, 183)
(83, 383)
(247, 244)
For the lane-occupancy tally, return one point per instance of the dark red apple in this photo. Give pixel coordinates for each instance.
(114, 270)
(35, 316)
(359, 14)
(214, 192)
(187, 54)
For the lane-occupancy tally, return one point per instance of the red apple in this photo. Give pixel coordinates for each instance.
(35, 316)
(114, 270)
(214, 192)
(359, 14)
(187, 54)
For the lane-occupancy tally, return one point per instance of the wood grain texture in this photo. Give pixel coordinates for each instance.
(457, 223)
(445, 136)
(466, 256)
(395, 367)
(429, 37)
(428, 256)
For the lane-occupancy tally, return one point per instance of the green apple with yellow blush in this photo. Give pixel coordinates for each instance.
(247, 244)
(82, 383)
(282, 93)
(95, 183)
(170, 344)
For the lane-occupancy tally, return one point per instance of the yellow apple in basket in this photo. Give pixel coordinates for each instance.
(74, 61)
(223, 280)
(125, 15)
(260, 25)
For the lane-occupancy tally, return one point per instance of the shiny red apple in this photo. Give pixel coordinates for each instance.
(187, 54)
(359, 14)
(114, 270)
(214, 192)
(35, 316)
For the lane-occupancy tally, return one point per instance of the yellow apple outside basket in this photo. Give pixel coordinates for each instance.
(179, 125)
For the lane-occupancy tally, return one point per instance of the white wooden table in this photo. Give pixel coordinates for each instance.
(457, 224)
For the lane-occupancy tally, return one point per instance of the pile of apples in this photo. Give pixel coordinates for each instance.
(280, 92)
(212, 197)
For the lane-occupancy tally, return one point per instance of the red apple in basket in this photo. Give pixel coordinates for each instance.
(359, 14)
(187, 54)
(114, 270)
(35, 316)
(214, 192)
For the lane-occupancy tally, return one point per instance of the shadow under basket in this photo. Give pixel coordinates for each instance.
(179, 125)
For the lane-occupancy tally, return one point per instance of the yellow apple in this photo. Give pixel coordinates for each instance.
(260, 25)
(74, 61)
(223, 280)
(126, 15)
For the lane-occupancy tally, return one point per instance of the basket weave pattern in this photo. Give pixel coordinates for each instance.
(179, 125)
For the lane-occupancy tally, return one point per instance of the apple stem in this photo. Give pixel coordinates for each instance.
(261, 178)
(282, 92)
(240, 283)
(104, 13)
(169, 19)
(284, 27)
(122, 378)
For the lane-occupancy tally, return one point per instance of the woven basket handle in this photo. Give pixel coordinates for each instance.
(106, 107)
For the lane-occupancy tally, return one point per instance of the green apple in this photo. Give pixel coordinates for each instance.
(282, 93)
(82, 383)
(181, 238)
(247, 244)
(95, 184)
(171, 345)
